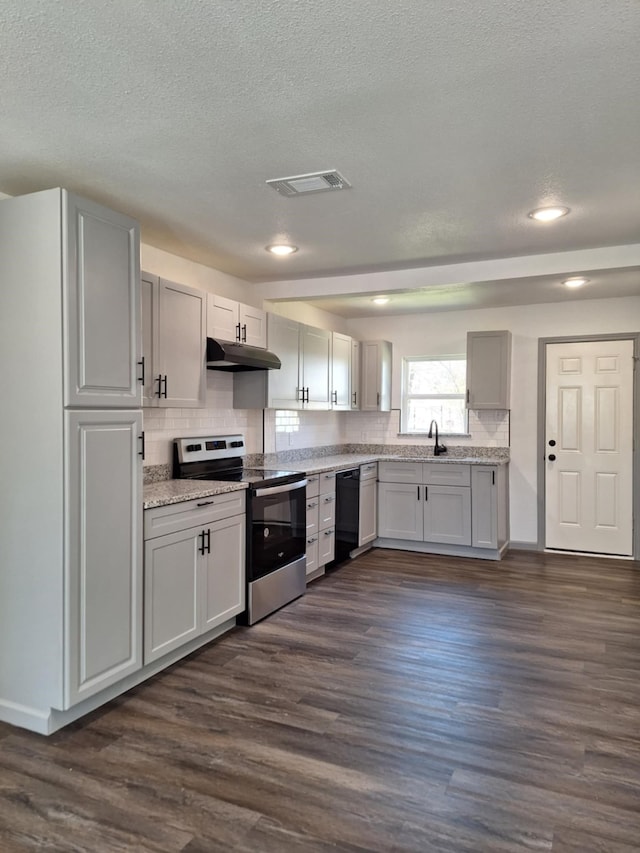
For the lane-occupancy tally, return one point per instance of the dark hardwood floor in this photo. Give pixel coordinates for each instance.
(406, 703)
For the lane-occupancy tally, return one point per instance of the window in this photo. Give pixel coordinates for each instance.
(434, 388)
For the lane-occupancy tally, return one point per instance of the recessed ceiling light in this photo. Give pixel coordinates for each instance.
(380, 300)
(548, 214)
(281, 249)
(575, 281)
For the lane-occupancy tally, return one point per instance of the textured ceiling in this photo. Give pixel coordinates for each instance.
(451, 118)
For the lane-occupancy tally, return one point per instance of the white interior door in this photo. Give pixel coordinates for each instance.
(589, 447)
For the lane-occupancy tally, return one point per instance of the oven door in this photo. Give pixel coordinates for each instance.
(277, 526)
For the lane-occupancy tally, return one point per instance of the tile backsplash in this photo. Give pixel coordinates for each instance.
(292, 430)
(486, 428)
(161, 426)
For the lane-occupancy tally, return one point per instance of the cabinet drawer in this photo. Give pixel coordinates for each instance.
(327, 482)
(327, 511)
(446, 474)
(169, 519)
(312, 516)
(313, 485)
(312, 554)
(400, 472)
(326, 546)
(369, 471)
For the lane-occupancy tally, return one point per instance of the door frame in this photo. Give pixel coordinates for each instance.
(542, 417)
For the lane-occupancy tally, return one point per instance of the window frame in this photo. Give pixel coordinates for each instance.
(406, 397)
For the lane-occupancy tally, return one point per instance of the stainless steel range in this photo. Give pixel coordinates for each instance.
(276, 517)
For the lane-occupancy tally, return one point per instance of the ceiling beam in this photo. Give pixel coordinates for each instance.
(497, 269)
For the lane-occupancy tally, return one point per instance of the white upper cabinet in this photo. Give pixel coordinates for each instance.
(315, 359)
(228, 320)
(375, 376)
(355, 375)
(283, 384)
(303, 380)
(101, 305)
(488, 370)
(341, 349)
(174, 343)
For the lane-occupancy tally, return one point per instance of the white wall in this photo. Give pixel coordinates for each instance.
(174, 268)
(445, 333)
(308, 314)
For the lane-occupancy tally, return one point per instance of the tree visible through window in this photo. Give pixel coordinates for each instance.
(434, 388)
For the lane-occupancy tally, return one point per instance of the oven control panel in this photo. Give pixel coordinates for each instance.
(207, 447)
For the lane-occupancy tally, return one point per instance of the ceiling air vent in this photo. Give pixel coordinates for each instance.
(314, 182)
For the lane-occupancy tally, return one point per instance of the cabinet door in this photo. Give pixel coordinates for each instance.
(315, 354)
(375, 377)
(223, 595)
(355, 374)
(284, 384)
(171, 572)
(447, 514)
(488, 370)
(101, 297)
(149, 285)
(312, 554)
(253, 326)
(180, 372)
(326, 546)
(223, 322)
(103, 550)
(368, 513)
(400, 511)
(340, 372)
(484, 507)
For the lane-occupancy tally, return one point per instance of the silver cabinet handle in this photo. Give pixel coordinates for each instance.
(328, 533)
(312, 505)
(328, 499)
(312, 540)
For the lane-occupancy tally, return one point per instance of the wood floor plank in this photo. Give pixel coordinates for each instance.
(406, 704)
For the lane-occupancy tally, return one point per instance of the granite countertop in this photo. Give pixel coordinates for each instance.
(163, 492)
(175, 491)
(352, 460)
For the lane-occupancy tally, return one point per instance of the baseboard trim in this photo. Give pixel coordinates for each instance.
(524, 546)
(47, 721)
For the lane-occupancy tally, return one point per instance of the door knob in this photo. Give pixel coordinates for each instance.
(552, 443)
(551, 457)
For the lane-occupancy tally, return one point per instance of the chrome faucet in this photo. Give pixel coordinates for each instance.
(438, 448)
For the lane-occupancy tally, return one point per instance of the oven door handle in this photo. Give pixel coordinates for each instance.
(277, 490)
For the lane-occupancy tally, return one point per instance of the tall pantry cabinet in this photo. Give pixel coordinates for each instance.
(71, 462)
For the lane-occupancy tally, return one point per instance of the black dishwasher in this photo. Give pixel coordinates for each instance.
(347, 514)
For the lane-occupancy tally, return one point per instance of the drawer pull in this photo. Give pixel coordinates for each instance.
(328, 499)
(312, 540)
(328, 533)
(205, 503)
(312, 505)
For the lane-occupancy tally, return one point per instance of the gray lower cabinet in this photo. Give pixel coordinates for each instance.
(194, 577)
(444, 504)
(484, 519)
(400, 511)
(447, 514)
(423, 513)
(368, 509)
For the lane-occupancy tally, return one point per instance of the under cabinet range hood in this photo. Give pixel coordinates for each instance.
(222, 355)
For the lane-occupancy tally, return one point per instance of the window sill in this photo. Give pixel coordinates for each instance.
(440, 435)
